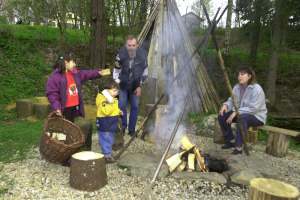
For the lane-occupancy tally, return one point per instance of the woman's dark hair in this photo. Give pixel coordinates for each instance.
(250, 71)
(111, 85)
(60, 63)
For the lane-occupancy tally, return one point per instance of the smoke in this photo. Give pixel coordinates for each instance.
(174, 58)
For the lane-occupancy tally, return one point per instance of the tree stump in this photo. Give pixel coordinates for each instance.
(88, 171)
(41, 110)
(87, 128)
(218, 134)
(24, 108)
(277, 144)
(270, 189)
(252, 135)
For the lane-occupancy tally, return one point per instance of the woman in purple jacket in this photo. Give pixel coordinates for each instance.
(64, 87)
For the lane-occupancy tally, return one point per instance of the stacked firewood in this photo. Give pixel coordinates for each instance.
(189, 158)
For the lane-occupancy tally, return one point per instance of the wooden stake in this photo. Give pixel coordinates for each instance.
(148, 189)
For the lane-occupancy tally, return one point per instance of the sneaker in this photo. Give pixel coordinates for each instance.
(110, 160)
(236, 152)
(228, 145)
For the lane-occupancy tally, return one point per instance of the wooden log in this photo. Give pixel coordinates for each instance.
(88, 171)
(174, 161)
(277, 144)
(270, 189)
(252, 135)
(283, 131)
(191, 162)
(200, 160)
(181, 167)
(24, 108)
(86, 127)
(186, 143)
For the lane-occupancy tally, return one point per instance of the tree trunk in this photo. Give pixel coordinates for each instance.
(275, 49)
(143, 12)
(255, 32)
(228, 26)
(120, 14)
(98, 34)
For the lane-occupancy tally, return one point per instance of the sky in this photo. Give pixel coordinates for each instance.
(185, 6)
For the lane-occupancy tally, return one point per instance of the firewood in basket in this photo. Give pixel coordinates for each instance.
(186, 143)
(174, 161)
(58, 136)
(191, 162)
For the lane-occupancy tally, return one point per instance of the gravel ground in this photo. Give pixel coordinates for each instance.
(36, 179)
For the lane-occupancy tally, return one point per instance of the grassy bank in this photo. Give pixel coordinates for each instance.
(17, 138)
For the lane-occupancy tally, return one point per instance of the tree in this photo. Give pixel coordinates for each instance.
(279, 25)
(228, 26)
(143, 12)
(197, 8)
(254, 13)
(98, 34)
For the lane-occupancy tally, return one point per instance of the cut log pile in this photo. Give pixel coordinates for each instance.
(188, 159)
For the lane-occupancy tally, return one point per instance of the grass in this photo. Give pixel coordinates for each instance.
(17, 138)
(23, 51)
(22, 64)
(45, 34)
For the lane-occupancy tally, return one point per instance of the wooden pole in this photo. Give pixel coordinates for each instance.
(149, 187)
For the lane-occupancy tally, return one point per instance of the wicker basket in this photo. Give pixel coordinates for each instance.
(54, 150)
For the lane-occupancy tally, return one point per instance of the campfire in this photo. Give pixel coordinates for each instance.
(189, 158)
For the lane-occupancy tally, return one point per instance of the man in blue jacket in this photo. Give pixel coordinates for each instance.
(130, 72)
